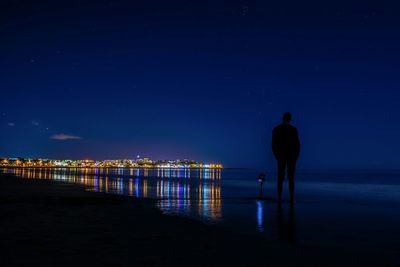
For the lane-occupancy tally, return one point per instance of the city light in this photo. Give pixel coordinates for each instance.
(145, 163)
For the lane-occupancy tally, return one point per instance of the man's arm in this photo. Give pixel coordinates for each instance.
(274, 143)
(297, 143)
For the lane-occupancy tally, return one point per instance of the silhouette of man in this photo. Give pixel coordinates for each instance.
(286, 148)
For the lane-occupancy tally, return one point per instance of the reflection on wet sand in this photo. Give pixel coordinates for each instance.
(181, 191)
(260, 216)
(285, 223)
(286, 230)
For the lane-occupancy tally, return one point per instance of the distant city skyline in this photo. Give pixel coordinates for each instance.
(110, 163)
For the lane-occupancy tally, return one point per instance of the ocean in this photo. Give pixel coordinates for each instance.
(351, 209)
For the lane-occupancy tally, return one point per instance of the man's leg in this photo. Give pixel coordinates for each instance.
(291, 174)
(281, 176)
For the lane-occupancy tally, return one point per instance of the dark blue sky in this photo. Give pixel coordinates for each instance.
(204, 81)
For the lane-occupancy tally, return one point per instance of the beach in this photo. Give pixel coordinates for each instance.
(52, 223)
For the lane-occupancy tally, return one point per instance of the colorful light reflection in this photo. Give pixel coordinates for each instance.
(180, 191)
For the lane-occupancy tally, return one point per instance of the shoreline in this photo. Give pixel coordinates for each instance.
(46, 222)
(91, 167)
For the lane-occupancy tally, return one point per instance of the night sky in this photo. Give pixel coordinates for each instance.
(205, 81)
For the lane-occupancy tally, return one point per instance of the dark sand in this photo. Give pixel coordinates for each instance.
(49, 223)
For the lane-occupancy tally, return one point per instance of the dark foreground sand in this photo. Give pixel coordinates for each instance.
(48, 223)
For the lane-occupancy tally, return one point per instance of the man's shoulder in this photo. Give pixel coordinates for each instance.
(284, 127)
(277, 128)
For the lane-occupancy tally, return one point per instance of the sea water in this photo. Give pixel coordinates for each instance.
(355, 209)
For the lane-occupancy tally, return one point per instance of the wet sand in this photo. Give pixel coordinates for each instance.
(46, 223)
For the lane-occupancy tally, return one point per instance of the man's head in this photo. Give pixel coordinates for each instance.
(287, 117)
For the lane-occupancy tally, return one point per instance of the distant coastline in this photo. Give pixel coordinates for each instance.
(143, 163)
(80, 167)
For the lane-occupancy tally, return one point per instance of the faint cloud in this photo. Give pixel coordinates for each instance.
(244, 10)
(63, 137)
(35, 123)
(11, 124)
